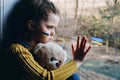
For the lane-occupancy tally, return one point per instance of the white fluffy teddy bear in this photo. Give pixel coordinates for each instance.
(50, 55)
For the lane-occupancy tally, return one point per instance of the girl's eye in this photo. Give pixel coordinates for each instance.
(50, 27)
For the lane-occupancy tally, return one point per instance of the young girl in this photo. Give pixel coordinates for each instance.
(27, 26)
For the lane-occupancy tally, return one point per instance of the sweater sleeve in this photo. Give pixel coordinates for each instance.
(34, 71)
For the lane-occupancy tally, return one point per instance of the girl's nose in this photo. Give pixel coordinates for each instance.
(52, 33)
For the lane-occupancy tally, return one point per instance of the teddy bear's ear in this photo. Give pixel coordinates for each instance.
(38, 47)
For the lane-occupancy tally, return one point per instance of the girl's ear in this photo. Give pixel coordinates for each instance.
(31, 25)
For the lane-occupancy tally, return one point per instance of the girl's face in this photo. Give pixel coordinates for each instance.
(46, 26)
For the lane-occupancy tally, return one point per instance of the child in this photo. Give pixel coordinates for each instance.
(24, 29)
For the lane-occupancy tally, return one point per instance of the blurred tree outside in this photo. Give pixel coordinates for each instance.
(76, 9)
(105, 24)
(112, 15)
(92, 18)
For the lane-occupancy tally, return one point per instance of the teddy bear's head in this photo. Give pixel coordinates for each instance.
(50, 55)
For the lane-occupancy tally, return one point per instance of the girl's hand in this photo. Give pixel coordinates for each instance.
(79, 51)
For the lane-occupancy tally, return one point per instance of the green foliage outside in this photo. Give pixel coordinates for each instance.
(104, 25)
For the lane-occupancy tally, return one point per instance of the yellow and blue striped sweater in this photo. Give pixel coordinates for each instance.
(22, 66)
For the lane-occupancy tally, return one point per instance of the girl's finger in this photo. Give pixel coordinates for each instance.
(73, 49)
(84, 43)
(78, 42)
(88, 49)
(81, 44)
